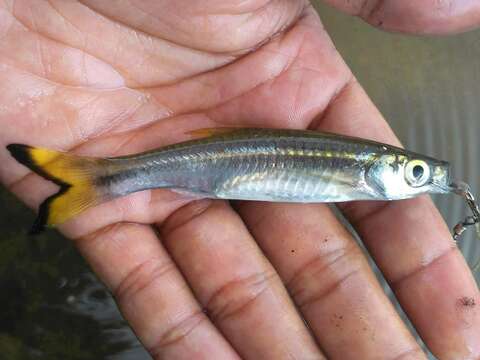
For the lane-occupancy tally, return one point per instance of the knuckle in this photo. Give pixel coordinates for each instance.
(187, 215)
(142, 277)
(324, 274)
(96, 237)
(176, 333)
(235, 297)
(400, 279)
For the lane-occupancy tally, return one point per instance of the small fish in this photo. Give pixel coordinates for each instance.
(242, 164)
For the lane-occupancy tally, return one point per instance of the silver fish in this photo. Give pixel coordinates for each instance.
(280, 165)
(243, 164)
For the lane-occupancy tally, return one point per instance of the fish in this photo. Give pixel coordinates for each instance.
(258, 164)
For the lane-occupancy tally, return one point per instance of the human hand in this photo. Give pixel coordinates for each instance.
(199, 279)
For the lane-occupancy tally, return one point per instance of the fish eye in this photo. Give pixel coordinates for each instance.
(417, 173)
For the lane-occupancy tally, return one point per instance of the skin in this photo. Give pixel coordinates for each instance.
(205, 279)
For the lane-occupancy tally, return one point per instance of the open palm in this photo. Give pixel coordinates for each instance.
(200, 278)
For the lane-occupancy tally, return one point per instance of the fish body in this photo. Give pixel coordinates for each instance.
(276, 165)
(244, 164)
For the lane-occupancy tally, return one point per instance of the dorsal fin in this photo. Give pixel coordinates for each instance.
(207, 132)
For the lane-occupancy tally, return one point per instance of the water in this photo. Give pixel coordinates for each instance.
(426, 87)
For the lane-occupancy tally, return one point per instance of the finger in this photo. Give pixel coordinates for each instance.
(417, 17)
(330, 281)
(412, 245)
(233, 281)
(152, 294)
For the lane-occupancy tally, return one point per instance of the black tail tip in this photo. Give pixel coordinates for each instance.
(36, 229)
(40, 223)
(21, 153)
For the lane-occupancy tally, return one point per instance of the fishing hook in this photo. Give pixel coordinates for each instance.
(462, 189)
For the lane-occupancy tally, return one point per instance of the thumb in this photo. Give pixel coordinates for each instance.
(413, 16)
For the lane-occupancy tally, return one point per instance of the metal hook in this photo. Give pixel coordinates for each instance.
(463, 189)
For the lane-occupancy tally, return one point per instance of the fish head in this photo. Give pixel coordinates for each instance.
(402, 175)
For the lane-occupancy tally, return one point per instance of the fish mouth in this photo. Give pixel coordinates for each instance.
(442, 187)
(441, 181)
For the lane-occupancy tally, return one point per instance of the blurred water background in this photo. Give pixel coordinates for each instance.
(427, 88)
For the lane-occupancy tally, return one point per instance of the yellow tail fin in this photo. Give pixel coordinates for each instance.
(74, 174)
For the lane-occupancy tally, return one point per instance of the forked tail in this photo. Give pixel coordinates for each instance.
(75, 175)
